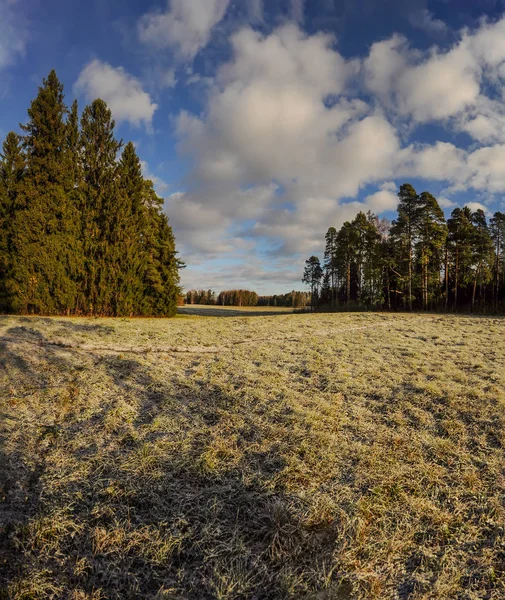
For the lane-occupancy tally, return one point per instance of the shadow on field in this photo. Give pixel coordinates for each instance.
(217, 311)
(143, 511)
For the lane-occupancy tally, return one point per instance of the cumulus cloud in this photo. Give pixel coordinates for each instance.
(462, 85)
(285, 145)
(122, 92)
(435, 87)
(277, 112)
(12, 33)
(185, 27)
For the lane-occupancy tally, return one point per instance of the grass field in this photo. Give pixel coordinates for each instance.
(277, 456)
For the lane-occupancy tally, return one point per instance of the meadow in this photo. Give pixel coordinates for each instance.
(264, 456)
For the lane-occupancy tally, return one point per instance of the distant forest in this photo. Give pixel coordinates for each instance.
(418, 261)
(247, 298)
(81, 231)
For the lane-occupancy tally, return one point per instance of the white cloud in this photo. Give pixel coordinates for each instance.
(434, 87)
(461, 86)
(12, 33)
(446, 202)
(185, 27)
(277, 112)
(122, 92)
(474, 206)
(423, 19)
(487, 169)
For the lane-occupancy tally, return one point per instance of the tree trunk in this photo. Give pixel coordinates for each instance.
(456, 280)
(410, 276)
(446, 278)
(348, 283)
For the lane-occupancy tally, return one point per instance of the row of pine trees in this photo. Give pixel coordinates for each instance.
(419, 261)
(81, 231)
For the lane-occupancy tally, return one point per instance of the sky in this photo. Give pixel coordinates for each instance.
(264, 122)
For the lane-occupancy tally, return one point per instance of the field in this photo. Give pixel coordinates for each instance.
(345, 456)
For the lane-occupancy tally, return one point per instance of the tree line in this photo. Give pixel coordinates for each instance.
(226, 298)
(81, 231)
(291, 299)
(420, 260)
(247, 298)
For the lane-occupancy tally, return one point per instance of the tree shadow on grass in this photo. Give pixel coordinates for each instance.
(216, 311)
(145, 512)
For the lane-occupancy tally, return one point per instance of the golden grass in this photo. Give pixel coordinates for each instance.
(301, 456)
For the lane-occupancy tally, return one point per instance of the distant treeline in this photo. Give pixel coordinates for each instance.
(200, 297)
(81, 231)
(294, 299)
(237, 298)
(419, 261)
(247, 298)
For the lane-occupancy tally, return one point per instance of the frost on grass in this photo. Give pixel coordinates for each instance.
(306, 456)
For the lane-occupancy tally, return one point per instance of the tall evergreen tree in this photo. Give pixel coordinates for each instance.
(460, 240)
(344, 256)
(330, 261)
(161, 272)
(100, 191)
(129, 256)
(431, 238)
(482, 254)
(497, 228)
(312, 277)
(12, 167)
(43, 241)
(404, 230)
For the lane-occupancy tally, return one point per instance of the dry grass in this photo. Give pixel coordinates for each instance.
(306, 456)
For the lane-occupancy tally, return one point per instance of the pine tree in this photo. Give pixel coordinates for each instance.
(431, 238)
(460, 239)
(312, 277)
(43, 239)
(482, 254)
(497, 228)
(345, 256)
(404, 230)
(330, 261)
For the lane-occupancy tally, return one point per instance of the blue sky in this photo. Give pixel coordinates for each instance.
(264, 122)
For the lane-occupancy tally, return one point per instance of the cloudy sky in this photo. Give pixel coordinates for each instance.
(264, 122)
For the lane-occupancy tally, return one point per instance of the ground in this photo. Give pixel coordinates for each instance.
(259, 457)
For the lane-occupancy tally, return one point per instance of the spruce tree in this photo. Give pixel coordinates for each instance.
(100, 191)
(44, 225)
(127, 250)
(12, 166)
(161, 272)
